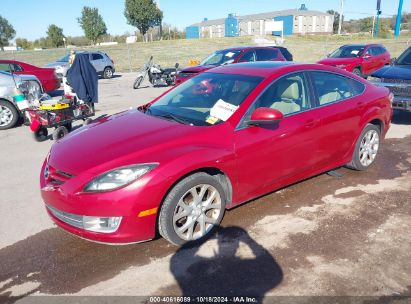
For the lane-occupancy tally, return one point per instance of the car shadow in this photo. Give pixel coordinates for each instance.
(401, 118)
(239, 267)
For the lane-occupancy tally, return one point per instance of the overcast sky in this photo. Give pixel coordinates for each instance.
(30, 18)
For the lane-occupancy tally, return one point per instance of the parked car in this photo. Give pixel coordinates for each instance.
(397, 78)
(103, 64)
(222, 138)
(47, 76)
(29, 85)
(235, 55)
(360, 59)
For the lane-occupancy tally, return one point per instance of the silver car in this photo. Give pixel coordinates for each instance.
(29, 85)
(100, 61)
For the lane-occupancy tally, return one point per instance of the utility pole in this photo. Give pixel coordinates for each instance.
(398, 21)
(377, 24)
(341, 17)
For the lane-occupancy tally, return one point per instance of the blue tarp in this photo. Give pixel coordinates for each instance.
(82, 77)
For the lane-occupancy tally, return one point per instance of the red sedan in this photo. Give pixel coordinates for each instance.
(218, 140)
(360, 59)
(47, 76)
(235, 55)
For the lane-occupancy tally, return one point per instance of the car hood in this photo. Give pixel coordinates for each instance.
(394, 72)
(122, 139)
(197, 68)
(338, 61)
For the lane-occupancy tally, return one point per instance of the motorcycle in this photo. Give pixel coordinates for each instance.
(156, 75)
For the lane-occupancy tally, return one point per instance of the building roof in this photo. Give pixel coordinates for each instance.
(263, 16)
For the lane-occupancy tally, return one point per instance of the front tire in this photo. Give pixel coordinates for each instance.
(60, 132)
(138, 82)
(192, 210)
(108, 73)
(366, 148)
(9, 116)
(41, 134)
(357, 72)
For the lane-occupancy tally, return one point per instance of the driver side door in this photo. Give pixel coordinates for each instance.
(269, 156)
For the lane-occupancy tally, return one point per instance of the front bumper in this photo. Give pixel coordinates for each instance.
(74, 211)
(401, 92)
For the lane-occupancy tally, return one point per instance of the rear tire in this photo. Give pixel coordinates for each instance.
(41, 134)
(9, 116)
(366, 148)
(108, 73)
(138, 82)
(192, 210)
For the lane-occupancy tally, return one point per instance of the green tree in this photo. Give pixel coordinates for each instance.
(23, 43)
(336, 19)
(55, 35)
(92, 24)
(143, 14)
(7, 32)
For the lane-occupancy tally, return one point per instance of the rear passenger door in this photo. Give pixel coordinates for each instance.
(340, 107)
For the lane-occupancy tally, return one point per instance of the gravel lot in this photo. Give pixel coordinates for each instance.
(347, 236)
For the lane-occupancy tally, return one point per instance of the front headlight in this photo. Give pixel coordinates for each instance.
(374, 79)
(118, 178)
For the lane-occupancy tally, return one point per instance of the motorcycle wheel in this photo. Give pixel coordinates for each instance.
(41, 134)
(138, 82)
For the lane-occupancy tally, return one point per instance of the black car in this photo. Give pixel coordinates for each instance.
(397, 77)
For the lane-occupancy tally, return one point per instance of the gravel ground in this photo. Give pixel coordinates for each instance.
(325, 236)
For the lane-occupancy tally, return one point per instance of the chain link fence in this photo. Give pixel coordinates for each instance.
(131, 58)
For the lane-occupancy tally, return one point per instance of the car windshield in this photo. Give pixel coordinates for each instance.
(347, 52)
(204, 100)
(405, 58)
(220, 57)
(64, 59)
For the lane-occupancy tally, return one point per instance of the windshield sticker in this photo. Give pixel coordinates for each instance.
(230, 54)
(211, 120)
(223, 110)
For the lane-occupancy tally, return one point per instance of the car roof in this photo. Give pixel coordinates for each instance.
(267, 69)
(362, 44)
(248, 47)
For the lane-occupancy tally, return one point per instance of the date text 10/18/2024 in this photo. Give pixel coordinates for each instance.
(201, 299)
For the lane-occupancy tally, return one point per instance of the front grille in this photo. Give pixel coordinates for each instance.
(68, 218)
(57, 177)
(399, 87)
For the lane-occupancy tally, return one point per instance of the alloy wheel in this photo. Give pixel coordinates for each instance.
(369, 147)
(6, 116)
(197, 212)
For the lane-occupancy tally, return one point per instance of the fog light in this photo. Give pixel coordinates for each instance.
(101, 224)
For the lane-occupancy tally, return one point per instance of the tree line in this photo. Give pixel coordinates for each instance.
(142, 14)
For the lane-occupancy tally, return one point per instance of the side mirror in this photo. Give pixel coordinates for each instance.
(265, 116)
(393, 61)
(328, 55)
(177, 65)
(367, 56)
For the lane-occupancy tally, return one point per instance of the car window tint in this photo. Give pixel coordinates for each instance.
(289, 95)
(248, 57)
(405, 58)
(332, 87)
(96, 56)
(266, 54)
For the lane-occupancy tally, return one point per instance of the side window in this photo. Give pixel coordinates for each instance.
(248, 57)
(288, 95)
(17, 68)
(382, 50)
(266, 54)
(96, 56)
(332, 87)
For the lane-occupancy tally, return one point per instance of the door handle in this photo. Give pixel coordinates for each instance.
(311, 123)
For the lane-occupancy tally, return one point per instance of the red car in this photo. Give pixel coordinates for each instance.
(47, 76)
(218, 140)
(235, 55)
(360, 59)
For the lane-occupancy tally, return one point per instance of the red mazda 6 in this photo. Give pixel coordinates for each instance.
(216, 141)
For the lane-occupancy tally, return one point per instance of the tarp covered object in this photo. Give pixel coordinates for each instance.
(82, 77)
